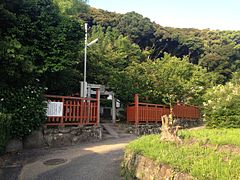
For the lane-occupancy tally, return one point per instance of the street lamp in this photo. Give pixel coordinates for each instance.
(85, 60)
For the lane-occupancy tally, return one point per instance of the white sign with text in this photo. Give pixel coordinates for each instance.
(55, 109)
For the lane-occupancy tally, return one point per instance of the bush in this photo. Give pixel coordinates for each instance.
(4, 130)
(28, 108)
(222, 106)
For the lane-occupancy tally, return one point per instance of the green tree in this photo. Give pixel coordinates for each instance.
(38, 46)
(140, 30)
(165, 80)
(72, 7)
(36, 40)
(111, 54)
(221, 107)
(216, 51)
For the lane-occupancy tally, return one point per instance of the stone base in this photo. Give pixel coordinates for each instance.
(187, 123)
(14, 145)
(144, 129)
(34, 140)
(57, 137)
(71, 135)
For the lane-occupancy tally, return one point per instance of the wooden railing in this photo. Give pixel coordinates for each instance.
(147, 113)
(75, 111)
(182, 111)
(138, 112)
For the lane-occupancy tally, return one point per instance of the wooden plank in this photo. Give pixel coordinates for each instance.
(61, 121)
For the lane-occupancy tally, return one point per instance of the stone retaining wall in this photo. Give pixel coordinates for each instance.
(153, 128)
(56, 137)
(139, 167)
(144, 129)
(188, 123)
(71, 135)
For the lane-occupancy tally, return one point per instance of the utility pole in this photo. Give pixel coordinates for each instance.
(86, 45)
(85, 63)
(113, 108)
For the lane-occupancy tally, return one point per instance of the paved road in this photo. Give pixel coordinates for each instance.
(98, 161)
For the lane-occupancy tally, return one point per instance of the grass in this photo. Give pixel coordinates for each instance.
(200, 162)
(214, 136)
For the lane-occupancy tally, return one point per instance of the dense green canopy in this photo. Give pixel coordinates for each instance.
(36, 42)
(43, 40)
(41, 47)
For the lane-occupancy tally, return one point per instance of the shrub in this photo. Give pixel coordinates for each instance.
(27, 106)
(222, 106)
(4, 130)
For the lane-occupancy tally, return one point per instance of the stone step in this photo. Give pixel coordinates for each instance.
(110, 130)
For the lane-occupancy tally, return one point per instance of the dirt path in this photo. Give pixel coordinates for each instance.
(90, 161)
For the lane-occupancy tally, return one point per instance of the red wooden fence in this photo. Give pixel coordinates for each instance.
(138, 112)
(182, 111)
(76, 111)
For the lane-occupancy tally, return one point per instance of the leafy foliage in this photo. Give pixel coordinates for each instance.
(165, 80)
(111, 54)
(65, 82)
(36, 40)
(5, 121)
(72, 7)
(222, 106)
(216, 51)
(27, 108)
(39, 47)
(42, 40)
(138, 28)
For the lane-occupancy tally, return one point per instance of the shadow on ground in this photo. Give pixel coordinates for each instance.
(99, 160)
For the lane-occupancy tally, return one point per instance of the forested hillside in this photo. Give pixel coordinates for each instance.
(41, 52)
(216, 52)
(42, 43)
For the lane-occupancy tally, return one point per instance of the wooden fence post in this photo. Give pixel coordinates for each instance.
(98, 105)
(136, 105)
(62, 120)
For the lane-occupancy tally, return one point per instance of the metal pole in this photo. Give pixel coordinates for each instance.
(113, 109)
(85, 62)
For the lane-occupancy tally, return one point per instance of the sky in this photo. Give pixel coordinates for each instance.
(201, 14)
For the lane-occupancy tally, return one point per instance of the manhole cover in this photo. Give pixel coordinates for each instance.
(54, 161)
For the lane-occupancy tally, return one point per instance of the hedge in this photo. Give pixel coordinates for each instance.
(222, 106)
(27, 106)
(5, 121)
